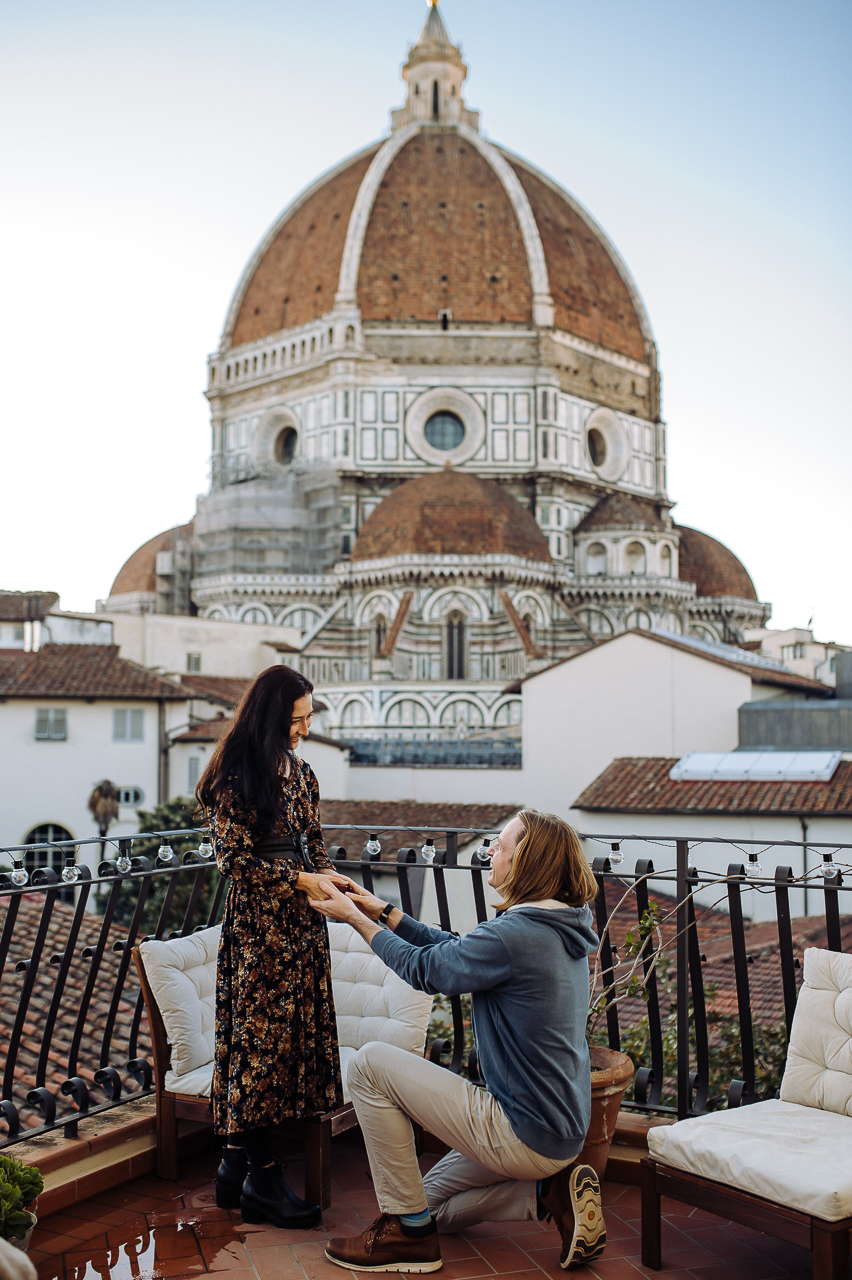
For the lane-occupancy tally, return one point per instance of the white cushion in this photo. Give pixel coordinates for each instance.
(819, 1060)
(787, 1153)
(371, 1002)
(182, 977)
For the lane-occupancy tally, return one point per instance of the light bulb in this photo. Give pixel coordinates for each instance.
(428, 851)
(373, 847)
(165, 853)
(20, 875)
(754, 868)
(616, 855)
(205, 849)
(482, 854)
(70, 872)
(829, 866)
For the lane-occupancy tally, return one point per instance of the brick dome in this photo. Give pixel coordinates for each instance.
(139, 572)
(450, 512)
(436, 219)
(622, 511)
(713, 568)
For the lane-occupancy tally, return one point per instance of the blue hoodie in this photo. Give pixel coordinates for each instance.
(529, 978)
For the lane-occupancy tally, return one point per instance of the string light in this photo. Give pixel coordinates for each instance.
(428, 851)
(122, 862)
(616, 856)
(20, 875)
(373, 847)
(70, 872)
(166, 855)
(205, 849)
(754, 868)
(829, 866)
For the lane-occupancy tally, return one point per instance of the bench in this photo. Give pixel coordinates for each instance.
(178, 980)
(783, 1166)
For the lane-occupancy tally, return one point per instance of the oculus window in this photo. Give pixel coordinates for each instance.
(444, 431)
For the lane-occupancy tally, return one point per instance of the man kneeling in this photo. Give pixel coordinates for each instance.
(512, 1142)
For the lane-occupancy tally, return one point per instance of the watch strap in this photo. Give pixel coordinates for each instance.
(383, 918)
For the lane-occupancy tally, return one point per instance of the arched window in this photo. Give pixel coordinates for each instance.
(380, 634)
(509, 713)
(254, 615)
(596, 559)
(434, 99)
(353, 715)
(455, 647)
(55, 858)
(461, 713)
(598, 623)
(666, 560)
(671, 622)
(529, 623)
(639, 618)
(634, 558)
(285, 446)
(407, 714)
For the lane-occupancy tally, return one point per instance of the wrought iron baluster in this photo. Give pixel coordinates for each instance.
(126, 947)
(446, 924)
(741, 1091)
(783, 878)
(480, 905)
(63, 959)
(404, 859)
(166, 908)
(701, 1079)
(648, 1086)
(684, 1084)
(198, 870)
(601, 867)
(832, 911)
(95, 956)
(39, 1097)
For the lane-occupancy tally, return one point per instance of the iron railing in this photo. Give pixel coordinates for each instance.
(74, 1012)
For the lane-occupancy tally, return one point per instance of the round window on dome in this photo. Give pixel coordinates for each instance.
(285, 445)
(444, 431)
(597, 447)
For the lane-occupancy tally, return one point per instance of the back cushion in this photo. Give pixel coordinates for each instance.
(819, 1061)
(182, 976)
(371, 1002)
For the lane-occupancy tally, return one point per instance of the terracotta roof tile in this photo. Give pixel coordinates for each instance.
(226, 690)
(642, 785)
(622, 511)
(26, 606)
(79, 671)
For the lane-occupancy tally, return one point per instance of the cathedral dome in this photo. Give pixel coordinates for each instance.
(622, 511)
(450, 512)
(139, 572)
(713, 568)
(436, 224)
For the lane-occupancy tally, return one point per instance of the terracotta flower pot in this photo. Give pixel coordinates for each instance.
(611, 1076)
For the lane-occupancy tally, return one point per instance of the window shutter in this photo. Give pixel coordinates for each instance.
(42, 722)
(136, 726)
(59, 728)
(119, 725)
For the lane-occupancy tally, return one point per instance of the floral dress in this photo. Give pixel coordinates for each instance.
(276, 1054)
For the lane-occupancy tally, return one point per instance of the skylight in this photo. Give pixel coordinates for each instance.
(756, 766)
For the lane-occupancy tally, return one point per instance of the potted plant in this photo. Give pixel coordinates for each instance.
(612, 1071)
(20, 1187)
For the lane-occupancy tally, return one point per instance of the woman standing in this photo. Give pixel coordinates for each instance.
(276, 1054)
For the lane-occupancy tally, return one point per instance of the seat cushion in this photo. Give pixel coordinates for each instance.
(370, 1001)
(182, 977)
(197, 1082)
(796, 1156)
(819, 1060)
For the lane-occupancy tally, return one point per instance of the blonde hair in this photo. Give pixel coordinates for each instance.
(549, 863)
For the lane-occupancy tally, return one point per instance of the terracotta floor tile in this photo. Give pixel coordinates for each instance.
(215, 1229)
(754, 1269)
(53, 1269)
(121, 1198)
(502, 1254)
(340, 1221)
(466, 1268)
(721, 1243)
(322, 1269)
(203, 1196)
(271, 1238)
(244, 1273)
(789, 1256)
(54, 1245)
(279, 1264)
(453, 1247)
(174, 1242)
(611, 1269)
(224, 1255)
(63, 1224)
(186, 1216)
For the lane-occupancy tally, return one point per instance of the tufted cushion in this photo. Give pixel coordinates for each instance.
(787, 1153)
(819, 1060)
(371, 1002)
(182, 977)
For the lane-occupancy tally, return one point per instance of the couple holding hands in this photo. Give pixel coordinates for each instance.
(513, 1144)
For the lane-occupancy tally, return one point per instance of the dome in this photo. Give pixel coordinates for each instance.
(139, 573)
(450, 512)
(622, 511)
(714, 569)
(436, 221)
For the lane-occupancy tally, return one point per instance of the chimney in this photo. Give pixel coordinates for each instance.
(843, 675)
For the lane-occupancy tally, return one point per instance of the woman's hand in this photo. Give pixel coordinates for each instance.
(336, 905)
(371, 906)
(319, 884)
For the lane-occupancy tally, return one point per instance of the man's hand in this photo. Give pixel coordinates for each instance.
(318, 885)
(335, 905)
(371, 906)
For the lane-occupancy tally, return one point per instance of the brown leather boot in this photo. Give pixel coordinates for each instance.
(384, 1247)
(574, 1203)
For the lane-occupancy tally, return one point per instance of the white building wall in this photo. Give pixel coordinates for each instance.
(730, 829)
(448, 786)
(52, 781)
(162, 642)
(630, 697)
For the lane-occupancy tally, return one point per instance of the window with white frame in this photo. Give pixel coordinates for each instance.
(193, 773)
(193, 662)
(51, 724)
(127, 724)
(130, 795)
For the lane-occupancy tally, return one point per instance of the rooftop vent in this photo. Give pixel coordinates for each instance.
(756, 766)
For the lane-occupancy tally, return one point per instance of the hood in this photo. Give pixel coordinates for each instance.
(575, 926)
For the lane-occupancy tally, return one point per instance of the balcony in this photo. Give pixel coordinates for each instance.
(78, 1088)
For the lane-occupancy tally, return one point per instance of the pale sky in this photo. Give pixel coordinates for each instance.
(146, 148)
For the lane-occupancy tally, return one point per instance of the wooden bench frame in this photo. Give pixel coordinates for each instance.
(316, 1132)
(828, 1241)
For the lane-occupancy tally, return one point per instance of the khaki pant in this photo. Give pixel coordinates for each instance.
(490, 1175)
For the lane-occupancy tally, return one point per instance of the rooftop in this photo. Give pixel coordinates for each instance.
(80, 671)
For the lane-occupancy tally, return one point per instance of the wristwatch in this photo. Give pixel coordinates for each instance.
(383, 918)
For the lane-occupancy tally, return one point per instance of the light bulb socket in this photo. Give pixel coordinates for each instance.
(615, 854)
(428, 851)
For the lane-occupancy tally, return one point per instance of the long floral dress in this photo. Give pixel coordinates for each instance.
(276, 1053)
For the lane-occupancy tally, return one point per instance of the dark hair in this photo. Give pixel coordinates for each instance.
(250, 753)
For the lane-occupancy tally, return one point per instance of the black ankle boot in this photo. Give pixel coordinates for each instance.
(267, 1198)
(230, 1177)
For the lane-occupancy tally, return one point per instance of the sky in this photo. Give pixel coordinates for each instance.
(145, 148)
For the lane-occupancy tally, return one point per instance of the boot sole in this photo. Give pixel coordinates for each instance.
(254, 1214)
(589, 1239)
(410, 1268)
